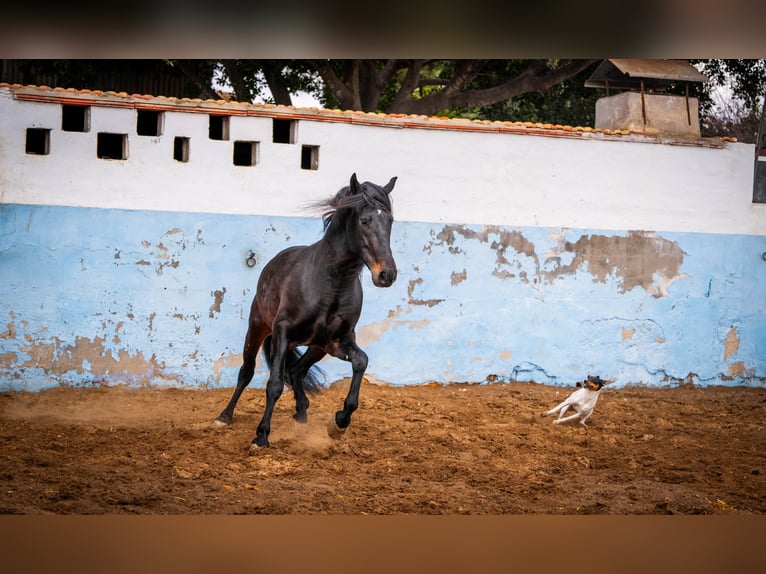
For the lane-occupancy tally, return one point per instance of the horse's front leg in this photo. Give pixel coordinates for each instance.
(348, 350)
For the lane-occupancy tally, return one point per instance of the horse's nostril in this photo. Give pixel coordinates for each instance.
(386, 277)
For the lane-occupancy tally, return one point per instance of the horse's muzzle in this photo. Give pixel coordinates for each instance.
(383, 276)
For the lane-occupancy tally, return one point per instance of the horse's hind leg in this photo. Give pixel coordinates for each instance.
(256, 332)
(297, 373)
(275, 384)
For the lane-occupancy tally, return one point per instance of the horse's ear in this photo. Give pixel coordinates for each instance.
(354, 184)
(388, 188)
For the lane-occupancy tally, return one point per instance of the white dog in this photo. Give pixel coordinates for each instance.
(582, 401)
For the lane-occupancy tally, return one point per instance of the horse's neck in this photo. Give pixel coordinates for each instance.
(339, 254)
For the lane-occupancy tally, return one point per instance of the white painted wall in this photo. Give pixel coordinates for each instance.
(592, 181)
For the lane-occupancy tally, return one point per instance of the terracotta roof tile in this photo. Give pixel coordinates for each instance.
(43, 93)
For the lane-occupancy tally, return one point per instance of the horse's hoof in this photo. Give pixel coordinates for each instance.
(301, 418)
(256, 448)
(260, 442)
(219, 422)
(335, 431)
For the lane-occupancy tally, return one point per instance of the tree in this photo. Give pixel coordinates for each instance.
(745, 78)
(739, 114)
(550, 91)
(567, 102)
(426, 87)
(544, 90)
(733, 118)
(430, 87)
(251, 79)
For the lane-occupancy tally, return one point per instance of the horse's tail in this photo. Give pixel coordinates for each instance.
(313, 381)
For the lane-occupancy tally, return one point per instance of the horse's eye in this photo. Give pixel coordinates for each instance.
(364, 220)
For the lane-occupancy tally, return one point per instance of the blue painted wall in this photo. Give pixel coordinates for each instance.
(517, 246)
(91, 296)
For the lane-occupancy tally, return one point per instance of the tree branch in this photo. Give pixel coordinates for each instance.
(237, 82)
(277, 86)
(205, 89)
(332, 82)
(536, 78)
(465, 73)
(410, 83)
(387, 73)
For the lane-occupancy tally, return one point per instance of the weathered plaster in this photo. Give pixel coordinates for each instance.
(215, 308)
(537, 258)
(731, 344)
(640, 259)
(86, 356)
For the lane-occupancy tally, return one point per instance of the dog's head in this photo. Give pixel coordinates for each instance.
(592, 383)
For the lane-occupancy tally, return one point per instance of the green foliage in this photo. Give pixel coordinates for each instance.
(133, 76)
(378, 85)
(567, 103)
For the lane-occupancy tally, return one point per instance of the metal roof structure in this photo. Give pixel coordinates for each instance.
(643, 74)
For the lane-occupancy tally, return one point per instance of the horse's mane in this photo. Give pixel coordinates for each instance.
(345, 202)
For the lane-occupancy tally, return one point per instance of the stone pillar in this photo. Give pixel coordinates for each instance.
(659, 114)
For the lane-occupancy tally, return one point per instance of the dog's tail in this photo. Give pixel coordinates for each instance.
(313, 380)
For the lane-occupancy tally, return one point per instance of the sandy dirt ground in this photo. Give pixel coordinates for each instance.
(431, 449)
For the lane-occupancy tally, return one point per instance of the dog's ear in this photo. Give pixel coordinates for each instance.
(579, 384)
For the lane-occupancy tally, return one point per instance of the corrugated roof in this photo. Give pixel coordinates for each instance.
(630, 72)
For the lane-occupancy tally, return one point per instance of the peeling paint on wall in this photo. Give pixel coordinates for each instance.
(458, 277)
(89, 357)
(413, 301)
(634, 261)
(640, 259)
(231, 361)
(731, 344)
(737, 369)
(215, 308)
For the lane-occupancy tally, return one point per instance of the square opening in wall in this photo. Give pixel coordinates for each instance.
(75, 118)
(310, 157)
(181, 149)
(284, 131)
(149, 123)
(112, 146)
(219, 128)
(38, 141)
(245, 153)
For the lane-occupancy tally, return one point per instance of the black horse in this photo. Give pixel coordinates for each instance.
(312, 296)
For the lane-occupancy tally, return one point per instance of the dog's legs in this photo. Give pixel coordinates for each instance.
(564, 409)
(586, 417)
(554, 410)
(559, 420)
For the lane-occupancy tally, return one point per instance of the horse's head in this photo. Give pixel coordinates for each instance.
(372, 224)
